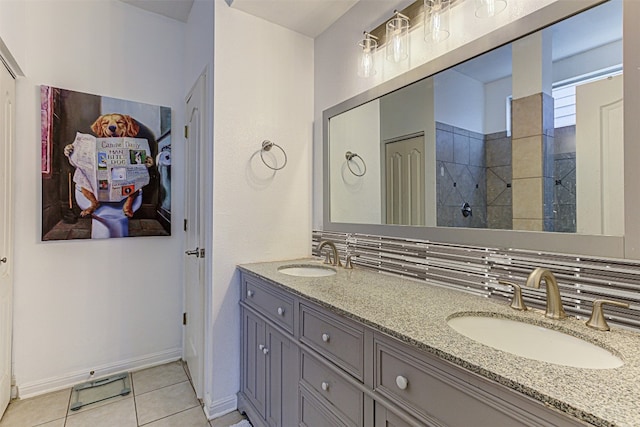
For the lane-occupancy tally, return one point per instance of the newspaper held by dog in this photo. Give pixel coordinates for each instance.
(112, 168)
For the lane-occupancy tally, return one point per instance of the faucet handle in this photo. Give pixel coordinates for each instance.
(348, 262)
(517, 303)
(597, 320)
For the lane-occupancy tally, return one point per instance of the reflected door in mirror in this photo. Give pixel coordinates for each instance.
(404, 176)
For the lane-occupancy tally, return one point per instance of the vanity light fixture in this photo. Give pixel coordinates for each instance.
(489, 8)
(397, 37)
(436, 20)
(366, 60)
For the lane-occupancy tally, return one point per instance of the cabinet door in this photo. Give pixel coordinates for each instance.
(282, 379)
(254, 361)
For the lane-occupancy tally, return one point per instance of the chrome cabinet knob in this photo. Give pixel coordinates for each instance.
(265, 351)
(326, 337)
(250, 293)
(3, 260)
(261, 347)
(402, 382)
(281, 311)
(325, 385)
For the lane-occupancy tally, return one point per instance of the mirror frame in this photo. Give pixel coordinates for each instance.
(627, 246)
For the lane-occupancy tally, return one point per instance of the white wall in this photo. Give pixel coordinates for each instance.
(356, 199)
(459, 100)
(12, 19)
(263, 89)
(336, 51)
(495, 105)
(609, 55)
(102, 305)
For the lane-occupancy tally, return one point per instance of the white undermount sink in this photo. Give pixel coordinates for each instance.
(534, 342)
(307, 270)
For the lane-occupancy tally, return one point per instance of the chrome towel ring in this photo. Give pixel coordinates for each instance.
(267, 146)
(350, 156)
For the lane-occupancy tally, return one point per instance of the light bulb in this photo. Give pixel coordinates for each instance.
(366, 64)
(397, 38)
(397, 48)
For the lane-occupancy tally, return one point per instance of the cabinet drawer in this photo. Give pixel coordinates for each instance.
(334, 390)
(338, 341)
(315, 414)
(273, 305)
(426, 391)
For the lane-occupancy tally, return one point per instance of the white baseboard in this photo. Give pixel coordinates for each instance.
(220, 407)
(70, 379)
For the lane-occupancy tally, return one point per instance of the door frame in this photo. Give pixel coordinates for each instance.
(8, 61)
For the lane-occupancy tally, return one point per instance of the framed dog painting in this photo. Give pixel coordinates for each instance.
(106, 167)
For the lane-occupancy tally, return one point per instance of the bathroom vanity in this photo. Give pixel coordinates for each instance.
(358, 348)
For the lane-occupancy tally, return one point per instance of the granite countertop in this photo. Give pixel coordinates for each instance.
(417, 313)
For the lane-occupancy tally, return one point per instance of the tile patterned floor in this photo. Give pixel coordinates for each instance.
(162, 397)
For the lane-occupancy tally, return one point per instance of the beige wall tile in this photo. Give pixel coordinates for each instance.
(527, 198)
(527, 159)
(526, 116)
(528, 224)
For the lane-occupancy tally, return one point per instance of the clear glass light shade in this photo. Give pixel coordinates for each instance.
(489, 8)
(397, 38)
(436, 20)
(366, 60)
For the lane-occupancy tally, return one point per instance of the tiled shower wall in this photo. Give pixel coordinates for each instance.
(460, 177)
(565, 179)
(477, 270)
(477, 169)
(499, 197)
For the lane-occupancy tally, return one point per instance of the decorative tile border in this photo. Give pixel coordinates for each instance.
(477, 270)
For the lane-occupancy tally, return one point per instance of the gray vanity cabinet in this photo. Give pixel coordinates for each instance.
(442, 394)
(269, 374)
(254, 381)
(386, 418)
(303, 365)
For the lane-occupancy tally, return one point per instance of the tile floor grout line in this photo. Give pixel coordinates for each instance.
(169, 416)
(164, 386)
(66, 413)
(135, 402)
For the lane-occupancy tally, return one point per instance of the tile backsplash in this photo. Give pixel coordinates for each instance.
(477, 270)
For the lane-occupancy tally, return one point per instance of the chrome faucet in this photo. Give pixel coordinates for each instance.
(554, 302)
(336, 257)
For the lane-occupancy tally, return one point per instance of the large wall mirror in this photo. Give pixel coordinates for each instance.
(527, 136)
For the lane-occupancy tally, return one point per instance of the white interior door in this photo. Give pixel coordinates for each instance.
(194, 256)
(7, 91)
(600, 148)
(405, 191)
